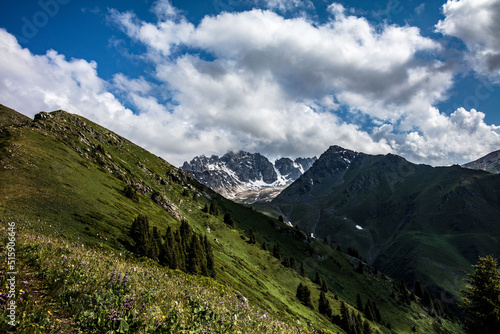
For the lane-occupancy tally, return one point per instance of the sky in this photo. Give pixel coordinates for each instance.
(420, 79)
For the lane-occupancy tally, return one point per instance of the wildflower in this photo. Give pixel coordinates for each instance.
(50, 313)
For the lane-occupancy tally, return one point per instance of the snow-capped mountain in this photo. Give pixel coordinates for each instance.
(247, 177)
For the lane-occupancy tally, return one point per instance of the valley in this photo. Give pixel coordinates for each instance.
(74, 189)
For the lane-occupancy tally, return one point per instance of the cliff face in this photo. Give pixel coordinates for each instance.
(247, 177)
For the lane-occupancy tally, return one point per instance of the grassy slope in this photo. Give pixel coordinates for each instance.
(69, 173)
(419, 223)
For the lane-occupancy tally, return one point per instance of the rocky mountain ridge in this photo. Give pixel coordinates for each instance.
(247, 177)
(415, 222)
(489, 163)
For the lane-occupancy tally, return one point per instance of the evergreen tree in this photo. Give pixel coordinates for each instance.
(140, 234)
(156, 244)
(481, 298)
(277, 252)
(345, 318)
(324, 287)
(213, 209)
(251, 236)
(419, 291)
(302, 271)
(324, 305)
(210, 258)
(359, 303)
(304, 295)
(195, 257)
(228, 220)
(366, 328)
(205, 208)
(368, 311)
(131, 193)
(317, 278)
(264, 246)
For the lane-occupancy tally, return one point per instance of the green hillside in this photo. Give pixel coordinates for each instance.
(63, 184)
(414, 222)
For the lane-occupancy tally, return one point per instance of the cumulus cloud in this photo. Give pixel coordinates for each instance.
(477, 24)
(257, 81)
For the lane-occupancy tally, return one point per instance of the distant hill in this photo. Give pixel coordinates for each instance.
(489, 163)
(247, 177)
(74, 191)
(415, 222)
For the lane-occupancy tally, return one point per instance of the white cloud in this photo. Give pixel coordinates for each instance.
(272, 85)
(477, 24)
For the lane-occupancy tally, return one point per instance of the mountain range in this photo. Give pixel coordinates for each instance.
(489, 163)
(84, 201)
(413, 221)
(247, 177)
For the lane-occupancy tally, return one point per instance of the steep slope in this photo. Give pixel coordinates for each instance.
(247, 177)
(489, 163)
(414, 222)
(64, 182)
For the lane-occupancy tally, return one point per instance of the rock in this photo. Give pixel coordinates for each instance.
(167, 205)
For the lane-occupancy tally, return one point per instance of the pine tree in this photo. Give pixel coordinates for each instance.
(156, 244)
(317, 279)
(304, 295)
(359, 303)
(324, 287)
(140, 234)
(368, 311)
(324, 305)
(251, 236)
(345, 318)
(277, 252)
(131, 193)
(210, 258)
(302, 271)
(228, 220)
(419, 291)
(213, 209)
(481, 298)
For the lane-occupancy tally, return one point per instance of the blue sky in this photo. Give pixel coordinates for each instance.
(281, 77)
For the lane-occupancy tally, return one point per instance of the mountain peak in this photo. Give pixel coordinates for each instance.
(489, 163)
(247, 177)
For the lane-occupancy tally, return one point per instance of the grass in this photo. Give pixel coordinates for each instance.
(62, 179)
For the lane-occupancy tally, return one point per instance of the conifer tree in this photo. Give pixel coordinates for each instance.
(324, 287)
(324, 305)
(213, 209)
(140, 234)
(481, 298)
(228, 220)
(304, 295)
(317, 279)
(156, 244)
(210, 258)
(251, 236)
(419, 291)
(277, 252)
(359, 303)
(302, 271)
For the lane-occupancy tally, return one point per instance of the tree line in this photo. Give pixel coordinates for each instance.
(181, 249)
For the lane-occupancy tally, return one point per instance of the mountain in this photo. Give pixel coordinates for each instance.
(78, 199)
(489, 163)
(247, 177)
(414, 222)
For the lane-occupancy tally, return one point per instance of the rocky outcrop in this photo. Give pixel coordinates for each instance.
(247, 177)
(167, 205)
